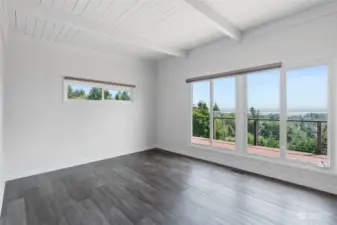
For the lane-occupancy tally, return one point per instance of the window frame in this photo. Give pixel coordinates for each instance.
(97, 85)
(241, 123)
(330, 99)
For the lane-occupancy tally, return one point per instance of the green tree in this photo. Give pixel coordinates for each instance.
(125, 96)
(216, 108)
(107, 95)
(79, 93)
(95, 94)
(201, 120)
(70, 92)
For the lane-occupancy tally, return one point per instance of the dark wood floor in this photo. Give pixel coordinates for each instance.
(157, 187)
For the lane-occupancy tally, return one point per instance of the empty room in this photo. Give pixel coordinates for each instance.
(168, 112)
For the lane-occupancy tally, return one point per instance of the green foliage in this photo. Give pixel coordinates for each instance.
(124, 96)
(201, 120)
(95, 94)
(77, 94)
(301, 136)
(107, 95)
(216, 108)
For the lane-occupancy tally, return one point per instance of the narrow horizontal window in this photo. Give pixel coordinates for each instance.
(78, 92)
(91, 90)
(117, 95)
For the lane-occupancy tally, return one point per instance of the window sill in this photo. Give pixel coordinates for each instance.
(297, 164)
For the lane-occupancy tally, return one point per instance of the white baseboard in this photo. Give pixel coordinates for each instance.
(315, 180)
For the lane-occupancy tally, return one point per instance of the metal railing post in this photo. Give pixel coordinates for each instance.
(214, 129)
(256, 132)
(319, 138)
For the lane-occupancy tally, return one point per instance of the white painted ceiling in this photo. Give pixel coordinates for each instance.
(144, 28)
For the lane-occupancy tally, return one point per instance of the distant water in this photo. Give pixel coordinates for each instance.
(277, 111)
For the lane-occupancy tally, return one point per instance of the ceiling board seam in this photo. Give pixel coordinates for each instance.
(74, 6)
(52, 32)
(106, 9)
(44, 27)
(26, 24)
(89, 25)
(85, 7)
(72, 38)
(116, 22)
(138, 9)
(16, 20)
(66, 35)
(58, 35)
(166, 15)
(98, 5)
(35, 23)
(63, 4)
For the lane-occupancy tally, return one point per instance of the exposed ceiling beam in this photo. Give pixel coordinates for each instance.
(32, 7)
(218, 21)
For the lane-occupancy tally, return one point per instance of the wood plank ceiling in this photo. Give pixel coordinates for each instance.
(144, 28)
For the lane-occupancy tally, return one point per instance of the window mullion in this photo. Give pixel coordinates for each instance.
(241, 115)
(283, 114)
(211, 122)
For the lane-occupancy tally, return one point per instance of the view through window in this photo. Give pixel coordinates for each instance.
(307, 114)
(304, 109)
(224, 113)
(263, 98)
(201, 113)
(117, 95)
(79, 92)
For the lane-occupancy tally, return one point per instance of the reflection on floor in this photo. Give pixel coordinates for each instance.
(271, 152)
(157, 187)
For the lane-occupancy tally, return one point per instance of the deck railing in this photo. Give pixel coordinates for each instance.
(254, 125)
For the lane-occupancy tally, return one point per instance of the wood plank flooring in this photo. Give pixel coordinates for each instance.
(157, 187)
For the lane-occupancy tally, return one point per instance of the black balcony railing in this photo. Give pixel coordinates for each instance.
(302, 135)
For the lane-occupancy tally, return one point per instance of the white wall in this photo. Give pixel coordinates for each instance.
(2, 74)
(43, 133)
(299, 39)
(3, 39)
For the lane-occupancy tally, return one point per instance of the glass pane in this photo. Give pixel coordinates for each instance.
(264, 113)
(84, 93)
(201, 113)
(117, 95)
(307, 109)
(224, 113)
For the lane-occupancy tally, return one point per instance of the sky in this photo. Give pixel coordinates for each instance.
(85, 88)
(306, 90)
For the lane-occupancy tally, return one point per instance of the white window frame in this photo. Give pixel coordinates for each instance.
(97, 85)
(241, 120)
(330, 99)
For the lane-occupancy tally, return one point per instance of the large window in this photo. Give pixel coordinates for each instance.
(201, 113)
(224, 113)
(263, 113)
(307, 114)
(273, 113)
